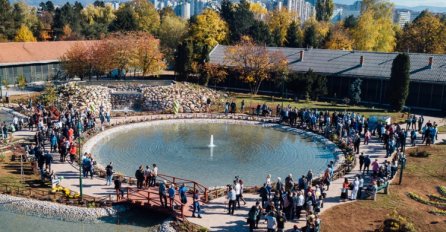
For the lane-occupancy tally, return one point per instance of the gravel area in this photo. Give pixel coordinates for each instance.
(52, 210)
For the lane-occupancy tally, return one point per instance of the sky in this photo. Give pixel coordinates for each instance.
(410, 3)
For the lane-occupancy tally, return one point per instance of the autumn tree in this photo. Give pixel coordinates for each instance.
(96, 20)
(146, 54)
(147, 17)
(254, 62)
(171, 32)
(208, 28)
(374, 30)
(278, 22)
(258, 9)
(24, 35)
(426, 34)
(398, 89)
(213, 73)
(77, 60)
(339, 39)
(324, 10)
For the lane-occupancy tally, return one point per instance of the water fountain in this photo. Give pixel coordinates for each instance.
(211, 144)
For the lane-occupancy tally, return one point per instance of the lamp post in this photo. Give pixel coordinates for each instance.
(79, 129)
(402, 161)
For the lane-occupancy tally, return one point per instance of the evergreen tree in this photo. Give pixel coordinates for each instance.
(292, 36)
(240, 18)
(350, 22)
(125, 20)
(310, 38)
(355, 91)
(324, 10)
(399, 82)
(260, 33)
(276, 37)
(183, 60)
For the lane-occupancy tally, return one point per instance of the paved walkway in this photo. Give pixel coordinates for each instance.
(214, 214)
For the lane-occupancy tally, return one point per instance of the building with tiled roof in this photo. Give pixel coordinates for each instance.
(427, 74)
(37, 61)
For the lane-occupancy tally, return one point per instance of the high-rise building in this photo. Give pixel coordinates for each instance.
(403, 18)
(185, 10)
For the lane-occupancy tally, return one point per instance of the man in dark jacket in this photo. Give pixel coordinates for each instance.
(139, 175)
(367, 163)
(163, 194)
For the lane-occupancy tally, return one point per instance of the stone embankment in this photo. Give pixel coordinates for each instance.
(52, 210)
(189, 97)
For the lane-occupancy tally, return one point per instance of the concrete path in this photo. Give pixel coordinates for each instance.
(214, 214)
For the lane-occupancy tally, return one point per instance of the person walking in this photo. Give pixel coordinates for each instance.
(231, 198)
(361, 161)
(182, 191)
(252, 217)
(367, 163)
(147, 176)
(281, 219)
(109, 173)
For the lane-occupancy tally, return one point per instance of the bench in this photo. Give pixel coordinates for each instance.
(384, 187)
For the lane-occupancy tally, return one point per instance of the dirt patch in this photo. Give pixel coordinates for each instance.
(421, 176)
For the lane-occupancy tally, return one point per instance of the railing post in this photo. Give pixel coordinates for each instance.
(148, 197)
(182, 211)
(174, 181)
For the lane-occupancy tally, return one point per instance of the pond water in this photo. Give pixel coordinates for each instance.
(129, 222)
(181, 149)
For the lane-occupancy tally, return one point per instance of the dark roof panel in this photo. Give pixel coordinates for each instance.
(347, 63)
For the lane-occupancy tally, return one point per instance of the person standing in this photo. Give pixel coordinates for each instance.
(361, 186)
(271, 222)
(118, 189)
(375, 167)
(147, 176)
(172, 196)
(163, 194)
(237, 189)
(182, 191)
(355, 189)
(196, 209)
(48, 160)
(154, 175)
(242, 107)
(281, 219)
(139, 175)
(231, 198)
(357, 142)
(109, 173)
(344, 190)
(420, 122)
(361, 161)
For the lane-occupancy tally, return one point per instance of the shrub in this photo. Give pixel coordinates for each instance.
(419, 154)
(442, 190)
(2, 157)
(397, 223)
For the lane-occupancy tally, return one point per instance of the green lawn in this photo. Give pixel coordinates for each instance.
(252, 101)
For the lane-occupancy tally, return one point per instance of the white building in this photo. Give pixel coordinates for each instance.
(185, 10)
(403, 18)
(302, 9)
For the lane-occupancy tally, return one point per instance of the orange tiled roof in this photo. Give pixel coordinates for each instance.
(34, 52)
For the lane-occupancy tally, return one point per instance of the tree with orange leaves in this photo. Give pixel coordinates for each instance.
(254, 62)
(76, 61)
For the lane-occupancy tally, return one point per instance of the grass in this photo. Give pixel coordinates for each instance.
(251, 101)
(421, 176)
